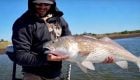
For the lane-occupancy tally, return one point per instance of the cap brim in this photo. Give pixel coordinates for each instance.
(48, 2)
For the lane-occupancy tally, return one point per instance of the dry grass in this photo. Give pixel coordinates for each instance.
(4, 44)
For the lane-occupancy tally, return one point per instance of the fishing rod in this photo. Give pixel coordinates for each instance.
(14, 71)
(69, 72)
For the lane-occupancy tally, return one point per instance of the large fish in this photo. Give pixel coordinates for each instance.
(87, 50)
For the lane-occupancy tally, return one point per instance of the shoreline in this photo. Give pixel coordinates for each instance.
(125, 36)
(118, 36)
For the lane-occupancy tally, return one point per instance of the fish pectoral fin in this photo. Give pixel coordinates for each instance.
(82, 67)
(88, 65)
(138, 63)
(122, 64)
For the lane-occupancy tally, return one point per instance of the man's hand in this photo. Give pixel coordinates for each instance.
(56, 57)
(109, 59)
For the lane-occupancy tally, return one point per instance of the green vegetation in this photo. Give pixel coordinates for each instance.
(127, 32)
(123, 34)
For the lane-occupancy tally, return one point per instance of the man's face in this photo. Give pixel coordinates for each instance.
(42, 9)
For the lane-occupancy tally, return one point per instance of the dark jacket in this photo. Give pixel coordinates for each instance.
(29, 34)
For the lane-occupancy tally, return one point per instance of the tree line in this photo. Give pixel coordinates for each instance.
(2, 40)
(123, 32)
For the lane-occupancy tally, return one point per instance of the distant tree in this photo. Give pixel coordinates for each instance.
(93, 34)
(125, 32)
(137, 31)
(85, 33)
(1, 40)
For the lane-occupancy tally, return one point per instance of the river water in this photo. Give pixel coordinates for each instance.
(102, 72)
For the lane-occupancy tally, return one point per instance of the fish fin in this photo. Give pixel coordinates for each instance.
(138, 63)
(88, 65)
(122, 64)
(91, 37)
(82, 67)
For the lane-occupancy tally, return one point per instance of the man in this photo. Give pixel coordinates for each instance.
(42, 22)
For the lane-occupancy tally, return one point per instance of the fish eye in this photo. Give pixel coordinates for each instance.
(52, 41)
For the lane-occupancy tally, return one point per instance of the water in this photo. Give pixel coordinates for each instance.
(102, 72)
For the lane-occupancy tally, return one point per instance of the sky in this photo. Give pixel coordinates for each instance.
(91, 16)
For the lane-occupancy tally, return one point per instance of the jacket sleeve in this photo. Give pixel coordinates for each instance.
(65, 28)
(22, 42)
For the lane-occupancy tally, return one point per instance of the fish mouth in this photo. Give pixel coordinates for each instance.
(50, 48)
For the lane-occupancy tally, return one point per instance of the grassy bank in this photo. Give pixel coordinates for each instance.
(3, 45)
(116, 35)
(119, 36)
